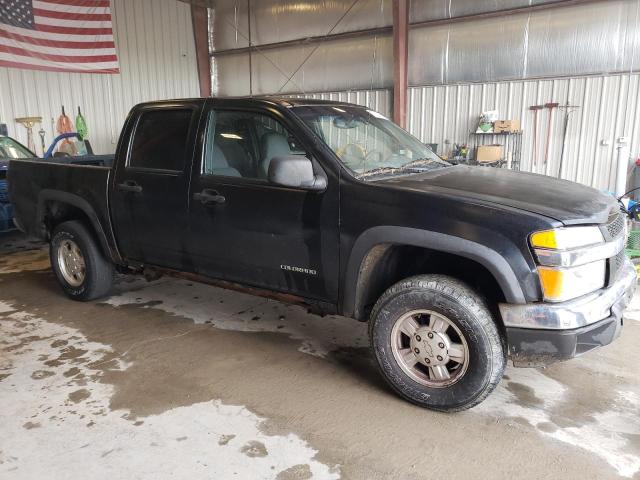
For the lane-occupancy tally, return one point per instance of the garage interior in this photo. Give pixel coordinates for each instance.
(171, 378)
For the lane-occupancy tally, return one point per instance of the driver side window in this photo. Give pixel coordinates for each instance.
(242, 144)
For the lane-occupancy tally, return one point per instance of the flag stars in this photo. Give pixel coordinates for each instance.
(17, 13)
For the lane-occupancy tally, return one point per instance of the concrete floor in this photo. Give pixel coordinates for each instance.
(178, 380)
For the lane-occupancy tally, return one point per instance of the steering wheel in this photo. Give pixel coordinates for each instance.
(352, 155)
(374, 156)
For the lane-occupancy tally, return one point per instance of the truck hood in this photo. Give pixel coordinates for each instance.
(564, 201)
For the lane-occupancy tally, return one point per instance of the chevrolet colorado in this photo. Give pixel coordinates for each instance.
(331, 205)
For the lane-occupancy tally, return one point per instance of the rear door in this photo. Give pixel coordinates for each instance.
(247, 230)
(149, 199)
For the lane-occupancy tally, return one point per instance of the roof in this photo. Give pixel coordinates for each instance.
(261, 100)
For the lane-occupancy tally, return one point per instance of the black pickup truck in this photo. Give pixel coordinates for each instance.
(333, 206)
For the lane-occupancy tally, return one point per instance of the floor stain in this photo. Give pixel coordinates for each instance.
(225, 439)
(297, 472)
(79, 395)
(525, 394)
(254, 449)
(41, 374)
(72, 372)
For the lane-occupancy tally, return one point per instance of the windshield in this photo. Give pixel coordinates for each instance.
(369, 144)
(10, 149)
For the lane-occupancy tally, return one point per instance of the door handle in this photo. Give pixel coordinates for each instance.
(129, 186)
(209, 197)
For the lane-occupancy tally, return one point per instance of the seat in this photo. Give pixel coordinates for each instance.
(273, 145)
(219, 164)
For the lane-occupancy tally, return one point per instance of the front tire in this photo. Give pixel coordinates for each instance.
(436, 343)
(83, 271)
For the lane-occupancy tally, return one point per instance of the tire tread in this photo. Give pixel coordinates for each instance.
(474, 303)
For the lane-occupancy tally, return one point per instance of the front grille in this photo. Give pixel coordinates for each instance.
(615, 227)
(615, 265)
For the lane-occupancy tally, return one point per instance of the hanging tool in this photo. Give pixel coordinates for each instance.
(81, 125)
(568, 109)
(535, 109)
(42, 133)
(64, 125)
(550, 106)
(29, 123)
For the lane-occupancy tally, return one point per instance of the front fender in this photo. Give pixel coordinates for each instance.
(495, 263)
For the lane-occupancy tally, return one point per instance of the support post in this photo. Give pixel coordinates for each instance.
(400, 56)
(200, 22)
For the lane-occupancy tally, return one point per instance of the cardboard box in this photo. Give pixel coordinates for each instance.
(489, 153)
(506, 126)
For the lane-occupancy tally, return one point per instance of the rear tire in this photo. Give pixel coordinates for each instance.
(83, 271)
(436, 343)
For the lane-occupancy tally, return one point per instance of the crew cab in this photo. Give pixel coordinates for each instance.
(331, 205)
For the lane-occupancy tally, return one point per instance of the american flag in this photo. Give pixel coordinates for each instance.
(57, 35)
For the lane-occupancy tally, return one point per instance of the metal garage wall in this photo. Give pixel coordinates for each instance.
(594, 38)
(156, 50)
(283, 20)
(362, 62)
(357, 63)
(609, 110)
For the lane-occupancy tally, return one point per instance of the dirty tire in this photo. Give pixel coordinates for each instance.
(98, 277)
(468, 311)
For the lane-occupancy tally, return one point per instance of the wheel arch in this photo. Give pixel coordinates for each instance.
(55, 207)
(368, 257)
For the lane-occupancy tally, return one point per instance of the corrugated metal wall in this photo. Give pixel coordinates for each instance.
(595, 38)
(609, 109)
(156, 50)
(340, 64)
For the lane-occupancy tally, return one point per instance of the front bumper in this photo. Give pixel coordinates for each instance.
(542, 333)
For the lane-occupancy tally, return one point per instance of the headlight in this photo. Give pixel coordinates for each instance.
(566, 238)
(560, 284)
(571, 261)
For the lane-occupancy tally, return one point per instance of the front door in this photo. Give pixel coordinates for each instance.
(247, 230)
(149, 199)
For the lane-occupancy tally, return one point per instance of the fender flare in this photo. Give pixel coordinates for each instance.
(47, 195)
(495, 263)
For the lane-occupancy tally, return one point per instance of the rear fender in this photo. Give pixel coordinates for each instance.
(80, 203)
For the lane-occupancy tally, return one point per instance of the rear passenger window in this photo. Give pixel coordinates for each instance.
(242, 144)
(160, 139)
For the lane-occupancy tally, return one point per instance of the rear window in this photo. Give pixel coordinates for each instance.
(160, 140)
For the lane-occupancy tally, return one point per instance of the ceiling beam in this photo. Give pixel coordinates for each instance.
(199, 17)
(400, 61)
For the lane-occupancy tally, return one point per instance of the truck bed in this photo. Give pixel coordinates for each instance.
(34, 186)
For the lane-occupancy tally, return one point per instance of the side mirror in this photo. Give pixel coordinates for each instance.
(295, 171)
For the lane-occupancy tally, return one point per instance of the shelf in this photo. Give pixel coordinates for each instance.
(504, 134)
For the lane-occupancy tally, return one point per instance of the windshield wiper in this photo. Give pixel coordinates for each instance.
(378, 171)
(415, 166)
(424, 162)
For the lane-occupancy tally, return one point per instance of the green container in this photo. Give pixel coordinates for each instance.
(633, 243)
